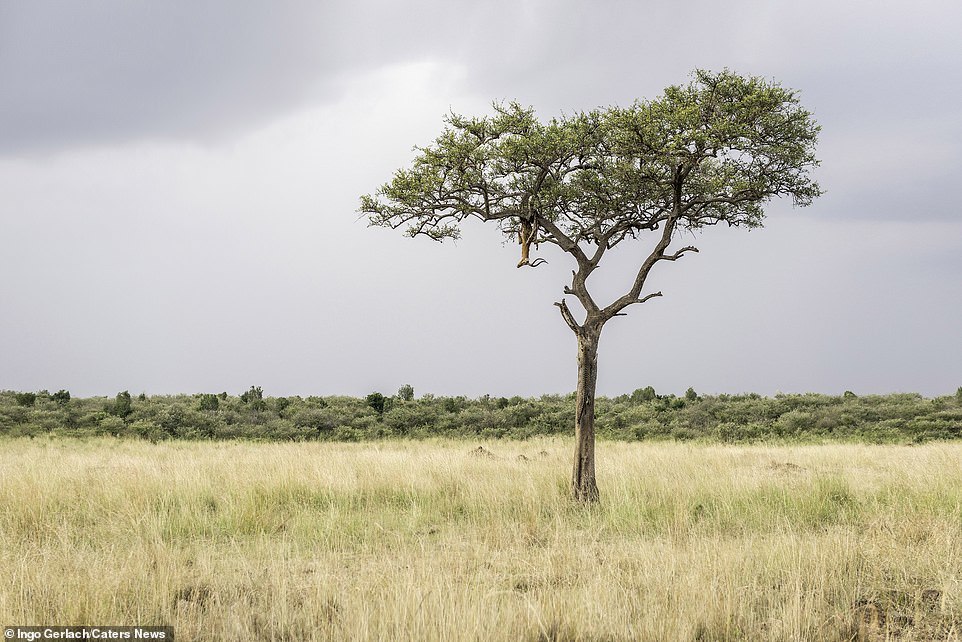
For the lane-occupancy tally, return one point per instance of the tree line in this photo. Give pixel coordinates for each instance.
(641, 415)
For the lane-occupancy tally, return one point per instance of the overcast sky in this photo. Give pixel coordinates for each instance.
(179, 184)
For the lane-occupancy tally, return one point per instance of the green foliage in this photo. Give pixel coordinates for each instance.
(691, 395)
(61, 396)
(148, 430)
(25, 398)
(208, 402)
(406, 392)
(256, 393)
(111, 425)
(376, 401)
(714, 150)
(316, 401)
(317, 421)
(254, 398)
(902, 418)
(122, 405)
(643, 395)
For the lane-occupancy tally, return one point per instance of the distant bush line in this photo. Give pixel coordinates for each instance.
(896, 418)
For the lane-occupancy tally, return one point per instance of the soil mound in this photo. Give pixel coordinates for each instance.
(483, 453)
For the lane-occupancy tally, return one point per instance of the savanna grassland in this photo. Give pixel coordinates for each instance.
(434, 540)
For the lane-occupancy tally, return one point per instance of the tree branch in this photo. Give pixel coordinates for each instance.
(563, 240)
(677, 255)
(580, 289)
(641, 300)
(567, 316)
(649, 296)
(657, 254)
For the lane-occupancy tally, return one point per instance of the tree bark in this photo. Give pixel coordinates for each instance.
(583, 485)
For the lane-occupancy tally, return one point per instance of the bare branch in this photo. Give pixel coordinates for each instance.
(567, 316)
(640, 300)
(677, 255)
(657, 254)
(580, 289)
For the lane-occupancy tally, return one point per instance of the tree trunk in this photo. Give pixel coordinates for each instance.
(583, 486)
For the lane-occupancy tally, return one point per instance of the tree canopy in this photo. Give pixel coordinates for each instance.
(712, 151)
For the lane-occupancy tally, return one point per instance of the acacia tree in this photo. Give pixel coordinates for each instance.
(712, 151)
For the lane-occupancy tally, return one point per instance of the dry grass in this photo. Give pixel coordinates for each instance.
(428, 541)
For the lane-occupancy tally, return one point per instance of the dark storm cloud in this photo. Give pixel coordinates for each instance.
(111, 71)
(108, 71)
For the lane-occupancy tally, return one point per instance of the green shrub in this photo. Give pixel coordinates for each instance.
(650, 429)
(121, 407)
(376, 401)
(111, 425)
(318, 421)
(148, 430)
(643, 395)
(254, 398)
(208, 403)
(316, 401)
(683, 433)
(793, 423)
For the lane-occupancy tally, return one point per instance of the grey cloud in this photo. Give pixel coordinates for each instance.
(142, 262)
(95, 72)
(82, 73)
(103, 72)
